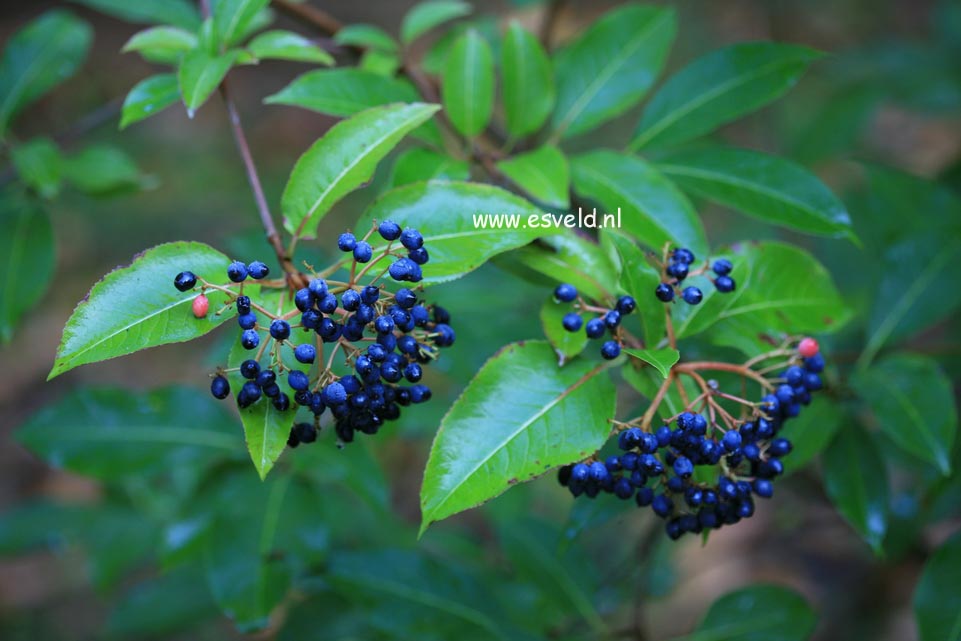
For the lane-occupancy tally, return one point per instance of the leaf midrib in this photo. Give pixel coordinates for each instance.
(686, 170)
(350, 166)
(618, 61)
(674, 115)
(520, 429)
(919, 423)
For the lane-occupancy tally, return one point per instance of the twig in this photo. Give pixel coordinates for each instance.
(318, 18)
(549, 23)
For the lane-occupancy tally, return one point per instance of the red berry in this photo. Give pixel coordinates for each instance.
(808, 348)
(201, 305)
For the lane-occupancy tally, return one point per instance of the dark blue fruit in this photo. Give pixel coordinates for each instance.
(664, 293)
(572, 322)
(185, 281)
(258, 270)
(219, 387)
(565, 293)
(305, 353)
(237, 271)
(389, 230)
(610, 350)
(346, 242)
(692, 295)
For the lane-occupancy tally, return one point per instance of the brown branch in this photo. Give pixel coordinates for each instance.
(549, 23)
(718, 366)
(318, 18)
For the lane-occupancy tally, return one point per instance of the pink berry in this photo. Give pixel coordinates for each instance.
(201, 305)
(808, 347)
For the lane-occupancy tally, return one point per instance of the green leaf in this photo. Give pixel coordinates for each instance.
(367, 36)
(909, 300)
(38, 163)
(528, 82)
(199, 74)
(26, 247)
(609, 68)
(718, 88)
(857, 482)
(162, 44)
(137, 306)
(102, 170)
(427, 15)
(544, 174)
(519, 417)
(757, 613)
(39, 57)
(467, 89)
(574, 260)
(380, 62)
(810, 432)
(662, 359)
(638, 278)
(148, 97)
(419, 164)
(345, 92)
(655, 211)
(781, 289)
(937, 597)
(913, 402)
(566, 344)
(343, 160)
(180, 13)
(234, 18)
(765, 187)
(112, 434)
(265, 428)
(287, 45)
(457, 244)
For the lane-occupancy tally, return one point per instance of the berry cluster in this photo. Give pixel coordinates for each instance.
(605, 320)
(677, 267)
(738, 461)
(386, 339)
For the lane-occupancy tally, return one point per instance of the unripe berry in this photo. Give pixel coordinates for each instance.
(185, 281)
(808, 347)
(201, 305)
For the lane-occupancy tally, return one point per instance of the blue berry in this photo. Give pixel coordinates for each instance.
(724, 284)
(610, 350)
(384, 324)
(794, 376)
(389, 230)
(644, 497)
(572, 322)
(219, 387)
(185, 281)
(282, 402)
(265, 377)
(722, 267)
(662, 505)
(678, 270)
(580, 473)
(763, 488)
(623, 488)
(812, 382)
(249, 369)
(243, 304)
(298, 381)
(305, 353)
(327, 303)
(419, 393)
(249, 394)
(346, 242)
(318, 287)
(258, 269)
(363, 252)
(683, 255)
(692, 295)
(402, 269)
(785, 394)
(304, 299)
(405, 298)
(247, 321)
(565, 293)
(350, 300)
(280, 329)
(814, 364)
(629, 438)
(250, 339)
(731, 441)
(419, 256)
(626, 304)
(411, 239)
(612, 319)
(664, 293)
(334, 394)
(237, 271)
(683, 467)
(595, 328)
(413, 372)
(663, 435)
